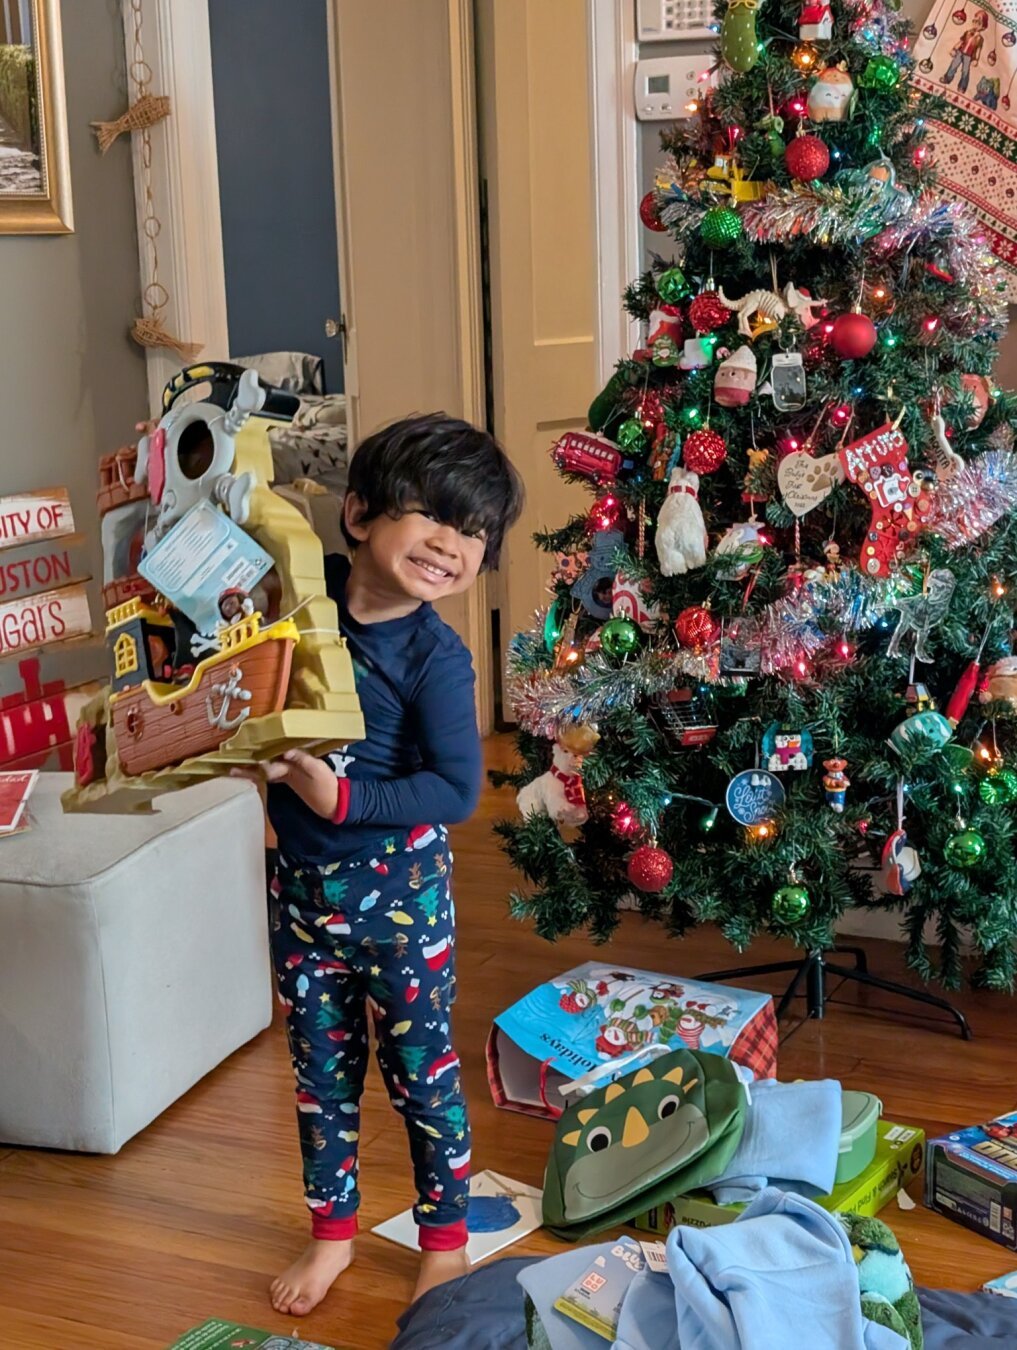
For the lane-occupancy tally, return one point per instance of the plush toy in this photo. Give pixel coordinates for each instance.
(1001, 682)
(559, 792)
(832, 97)
(884, 1281)
(681, 534)
(735, 379)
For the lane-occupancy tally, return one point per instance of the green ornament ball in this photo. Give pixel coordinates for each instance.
(1006, 781)
(553, 626)
(990, 792)
(882, 72)
(964, 849)
(672, 286)
(631, 435)
(619, 637)
(790, 904)
(720, 227)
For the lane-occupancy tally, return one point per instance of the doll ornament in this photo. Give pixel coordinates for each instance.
(735, 379)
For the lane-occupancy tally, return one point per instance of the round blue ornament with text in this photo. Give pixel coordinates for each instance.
(754, 796)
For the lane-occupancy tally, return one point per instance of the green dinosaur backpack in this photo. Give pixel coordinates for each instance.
(645, 1138)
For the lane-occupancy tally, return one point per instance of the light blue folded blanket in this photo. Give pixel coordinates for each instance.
(791, 1140)
(781, 1274)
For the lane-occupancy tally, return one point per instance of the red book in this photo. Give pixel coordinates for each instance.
(15, 790)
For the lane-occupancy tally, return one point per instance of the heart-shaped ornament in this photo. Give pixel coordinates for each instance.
(804, 482)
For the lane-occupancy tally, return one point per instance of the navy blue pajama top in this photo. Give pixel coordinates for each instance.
(420, 763)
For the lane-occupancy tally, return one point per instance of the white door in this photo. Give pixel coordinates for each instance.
(408, 207)
(536, 158)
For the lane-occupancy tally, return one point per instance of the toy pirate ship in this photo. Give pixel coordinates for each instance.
(190, 700)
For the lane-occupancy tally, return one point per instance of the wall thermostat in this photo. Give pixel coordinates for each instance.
(674, 20)
(669, 87)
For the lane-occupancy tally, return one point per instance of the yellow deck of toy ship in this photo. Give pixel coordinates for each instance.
(322, 710)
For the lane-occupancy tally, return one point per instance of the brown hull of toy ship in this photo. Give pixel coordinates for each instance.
(151, 735)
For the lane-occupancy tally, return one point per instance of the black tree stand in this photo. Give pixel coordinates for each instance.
(813, 970)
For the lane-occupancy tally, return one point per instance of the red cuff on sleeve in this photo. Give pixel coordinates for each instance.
(447, 1238)
(342, 806)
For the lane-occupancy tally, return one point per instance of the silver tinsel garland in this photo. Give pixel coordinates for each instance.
(845, 212)
(976, 497)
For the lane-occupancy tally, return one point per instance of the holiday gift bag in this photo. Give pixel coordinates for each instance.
(595, 1022)
(650, 1135)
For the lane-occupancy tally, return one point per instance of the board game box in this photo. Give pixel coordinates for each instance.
(971, 1177)
(898, 1160)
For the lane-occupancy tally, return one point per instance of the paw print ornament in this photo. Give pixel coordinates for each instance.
(899, 499)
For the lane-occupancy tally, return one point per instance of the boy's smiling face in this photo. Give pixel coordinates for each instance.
(414, 554)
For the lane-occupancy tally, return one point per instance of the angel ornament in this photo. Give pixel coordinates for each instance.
(922, 612)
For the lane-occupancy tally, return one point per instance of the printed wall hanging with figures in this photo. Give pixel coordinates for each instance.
(967, 55)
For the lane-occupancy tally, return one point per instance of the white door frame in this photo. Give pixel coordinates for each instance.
(185, 184)
(615, 154)
(185, 188)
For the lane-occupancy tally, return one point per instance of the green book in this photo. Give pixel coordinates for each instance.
(215, 1334)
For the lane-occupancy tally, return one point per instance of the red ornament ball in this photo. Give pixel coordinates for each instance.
(650, 869)
(807, 158)
(708, 312)
(853, 336)
(605, 514)
(696, 627)
(648, 213)
(704, 451)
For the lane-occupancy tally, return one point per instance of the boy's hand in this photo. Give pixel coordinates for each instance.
(313, 780)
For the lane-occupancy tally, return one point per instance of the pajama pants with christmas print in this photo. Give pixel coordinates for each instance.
(374, 937)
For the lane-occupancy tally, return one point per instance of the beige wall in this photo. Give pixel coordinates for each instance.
(72, 384)
(916, 11)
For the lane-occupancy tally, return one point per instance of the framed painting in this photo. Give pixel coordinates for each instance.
(35, 183)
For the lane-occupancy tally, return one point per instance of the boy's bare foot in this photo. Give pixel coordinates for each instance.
(440, 1267)
(311, 1276)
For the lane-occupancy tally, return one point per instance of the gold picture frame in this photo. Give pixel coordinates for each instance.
(35, 173)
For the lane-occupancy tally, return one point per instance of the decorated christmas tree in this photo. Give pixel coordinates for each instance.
(774, 677)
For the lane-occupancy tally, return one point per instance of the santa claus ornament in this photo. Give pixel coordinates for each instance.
(733, 385)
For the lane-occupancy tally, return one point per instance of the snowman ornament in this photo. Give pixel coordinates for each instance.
(832, 97)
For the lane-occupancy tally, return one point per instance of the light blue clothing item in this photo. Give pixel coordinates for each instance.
(786, 1277)
(791, 1140)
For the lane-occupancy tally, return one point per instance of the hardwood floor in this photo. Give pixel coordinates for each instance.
(193, 1217)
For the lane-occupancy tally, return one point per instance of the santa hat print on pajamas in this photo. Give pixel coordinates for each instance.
(445, 1062)
(436, 955)
(331, 967)
(307, 1104)
(333, 923)
(421, 836)
(460, 1166)
(323, 1208)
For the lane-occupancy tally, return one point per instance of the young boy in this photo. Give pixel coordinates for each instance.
(362, 913)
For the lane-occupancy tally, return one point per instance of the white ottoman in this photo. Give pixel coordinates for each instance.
(133, 959)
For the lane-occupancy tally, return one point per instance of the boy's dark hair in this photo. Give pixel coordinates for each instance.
(453, 470)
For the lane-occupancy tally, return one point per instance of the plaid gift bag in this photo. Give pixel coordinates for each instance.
(597, 1022)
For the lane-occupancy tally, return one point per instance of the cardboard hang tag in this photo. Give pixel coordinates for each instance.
(805, 481)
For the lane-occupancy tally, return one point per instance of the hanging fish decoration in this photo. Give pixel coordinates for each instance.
(148, 110)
